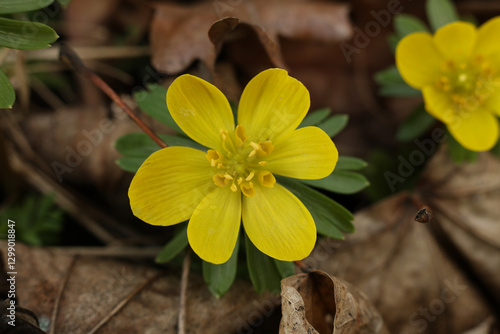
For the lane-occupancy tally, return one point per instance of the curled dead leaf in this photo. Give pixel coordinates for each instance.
(180, 34)
(319, 303)
(415, 273)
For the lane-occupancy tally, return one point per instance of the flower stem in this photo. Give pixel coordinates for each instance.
(68, 56)
(181, 329)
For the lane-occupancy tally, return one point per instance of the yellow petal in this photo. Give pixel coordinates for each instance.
(272, 104)
(200, 110)
(456, 41)
(476, 130)
(169, 185)
(214, 226)
(278, 224)
(306, 153)
(438, 104)
(487, 41)
(418, 59)
(492, 103)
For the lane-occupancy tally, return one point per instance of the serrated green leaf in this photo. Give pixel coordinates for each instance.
(440, 13)
(350, 163)
(330, 217)
(392, 84)
(263, 271)
(7, 94)
(315, 117)
(153, 102)
(285, 268)
(178, 243)
(341, 181)
(334, 124)
(20, 6)
(25, 35)
(415, 125)
(137, 147)
(405, 24)
(458, 153)
(220, 277)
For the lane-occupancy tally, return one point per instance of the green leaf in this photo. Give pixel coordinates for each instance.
(137, 147)
(315, 117)
(440, 13)
(285, 268)
(393, 41)
(419, 122)
(330, 217)
(458, 153)
(64, 2)
(220, 277)
(38, 221)
(25, 35)
(334, 124)
(20, 6)
(341, 181)
(392, 84)
(350, 163)
(496, 149)
(176, 245)
(153, 102)
(264, 274)
(7, 94)
(405, 24)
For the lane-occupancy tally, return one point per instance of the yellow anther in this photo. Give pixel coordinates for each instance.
(228, 177)
(262, 163)
(240, 180)
(234, 187)
(250, 176)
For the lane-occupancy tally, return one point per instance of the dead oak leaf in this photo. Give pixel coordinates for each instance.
(318, 303)
(180, 34)
(410, 270)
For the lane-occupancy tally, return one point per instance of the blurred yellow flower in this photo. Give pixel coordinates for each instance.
(233, 180)
(458, 71)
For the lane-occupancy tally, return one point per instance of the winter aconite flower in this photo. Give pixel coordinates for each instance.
(234, 179)
(458, 71)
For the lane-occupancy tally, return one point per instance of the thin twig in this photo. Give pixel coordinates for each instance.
(302, 266)
(124, 302)
(68, 56)
(181, 329)
(59, 295)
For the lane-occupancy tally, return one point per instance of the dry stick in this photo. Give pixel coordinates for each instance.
(181, 329)
(124, 302)
(59, 295)
(68, 56)
(302, 266)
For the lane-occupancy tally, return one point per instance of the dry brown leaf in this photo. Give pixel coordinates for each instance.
(407, 269)
(318, 303)
(180, 34)
(466, 206)
(95, 286)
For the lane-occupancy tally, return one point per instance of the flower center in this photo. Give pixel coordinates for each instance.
(241, 163)
(468, 84)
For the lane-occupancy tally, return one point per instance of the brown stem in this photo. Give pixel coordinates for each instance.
(68, 56)
(181, 329)
(302, 266)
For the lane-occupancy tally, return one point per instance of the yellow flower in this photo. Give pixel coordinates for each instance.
(233, 180)
(458, 71)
